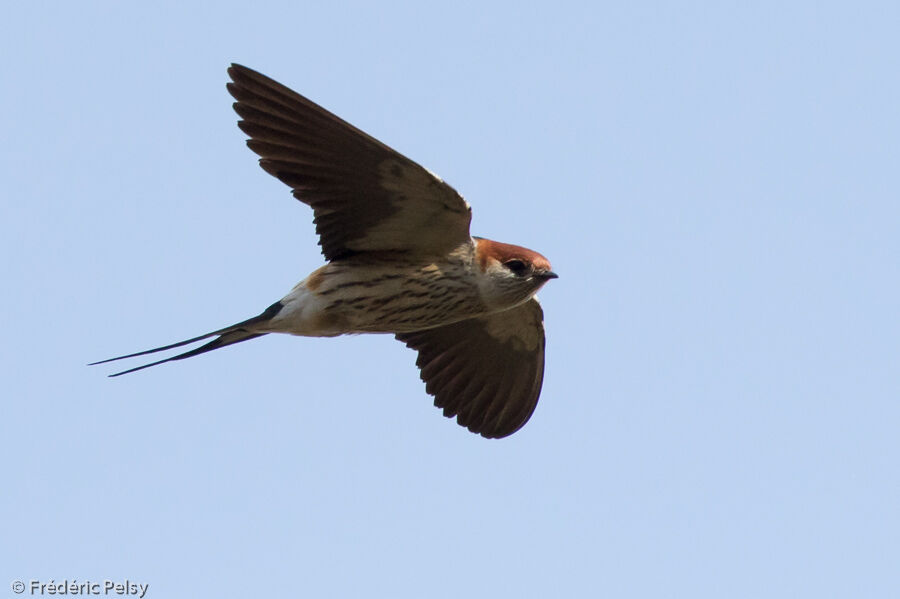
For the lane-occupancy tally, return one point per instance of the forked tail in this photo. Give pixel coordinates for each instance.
(242, 331)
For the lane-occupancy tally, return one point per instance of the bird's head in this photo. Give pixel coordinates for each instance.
(509, 274)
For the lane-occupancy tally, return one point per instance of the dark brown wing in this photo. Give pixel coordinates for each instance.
(485, 371)
(365, 196)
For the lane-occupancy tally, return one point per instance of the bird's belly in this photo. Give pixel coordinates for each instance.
(404, 308)
(385, 299)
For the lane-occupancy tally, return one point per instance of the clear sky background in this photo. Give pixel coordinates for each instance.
(716, 184)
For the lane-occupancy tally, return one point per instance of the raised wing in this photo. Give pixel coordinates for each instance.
(485, 371)
(365, 196)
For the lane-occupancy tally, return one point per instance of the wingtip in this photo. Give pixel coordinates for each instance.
(237, 71)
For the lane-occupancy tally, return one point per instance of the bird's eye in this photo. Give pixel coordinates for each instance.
(517, 267)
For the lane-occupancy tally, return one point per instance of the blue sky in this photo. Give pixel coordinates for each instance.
(716, 184)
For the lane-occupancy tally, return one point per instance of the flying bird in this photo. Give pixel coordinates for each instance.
(399, 260)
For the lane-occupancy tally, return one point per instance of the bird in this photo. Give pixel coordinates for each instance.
(400, 260)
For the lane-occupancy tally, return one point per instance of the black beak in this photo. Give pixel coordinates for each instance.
(546, 275)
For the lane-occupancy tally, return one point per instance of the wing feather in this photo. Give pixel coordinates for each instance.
(364, 195)
(487, 371)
